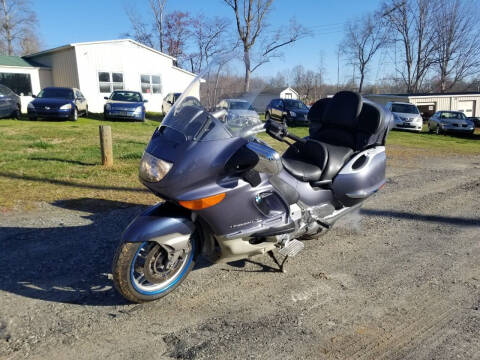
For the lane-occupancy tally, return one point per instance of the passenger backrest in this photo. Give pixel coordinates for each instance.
(347, 120)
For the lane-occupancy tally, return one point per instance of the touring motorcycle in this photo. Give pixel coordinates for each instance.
(227, 195)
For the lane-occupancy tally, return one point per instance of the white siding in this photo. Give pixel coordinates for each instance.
(288, 93)
(448, 102)
(63, 65)
(133, 61)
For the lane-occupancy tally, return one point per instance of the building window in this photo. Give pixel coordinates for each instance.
(18, 83)
(110, 81)
(151, 84)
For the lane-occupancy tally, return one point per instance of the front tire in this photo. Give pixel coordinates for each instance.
(74, 116)
(438, 131)
(136, 266)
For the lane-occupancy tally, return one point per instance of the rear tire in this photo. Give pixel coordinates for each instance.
(17, 113)
(126, 271)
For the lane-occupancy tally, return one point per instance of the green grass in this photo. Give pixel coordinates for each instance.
(53, 160)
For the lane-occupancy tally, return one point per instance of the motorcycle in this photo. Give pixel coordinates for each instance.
(228, 195)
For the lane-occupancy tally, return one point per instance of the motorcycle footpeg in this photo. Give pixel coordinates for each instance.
(291, 248)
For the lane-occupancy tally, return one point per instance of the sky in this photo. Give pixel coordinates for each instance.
(62, 22)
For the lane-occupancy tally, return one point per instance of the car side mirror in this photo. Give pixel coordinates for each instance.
(170, 102)
(34, 96)
(145, 100)
(105, 97)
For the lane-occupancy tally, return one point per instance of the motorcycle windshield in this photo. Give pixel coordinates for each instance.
(206, 110)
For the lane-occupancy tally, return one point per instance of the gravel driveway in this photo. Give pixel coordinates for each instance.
(399, 280)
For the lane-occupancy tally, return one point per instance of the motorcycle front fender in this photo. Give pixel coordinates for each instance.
(164, 223)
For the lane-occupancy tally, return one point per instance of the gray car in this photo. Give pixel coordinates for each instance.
(450, 121)
(9, 103)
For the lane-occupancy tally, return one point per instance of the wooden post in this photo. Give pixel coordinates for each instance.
(106, 145)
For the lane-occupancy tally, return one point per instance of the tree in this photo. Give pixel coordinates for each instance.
(456, 52)
(208, 35)
(142, 32)
(17, 25)
(177, 31)
(250, 16)
(411, 24)
(158, 9)
(363, 38)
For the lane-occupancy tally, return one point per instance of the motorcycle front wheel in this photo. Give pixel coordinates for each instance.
(146, 271)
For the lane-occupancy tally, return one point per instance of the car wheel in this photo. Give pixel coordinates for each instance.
(32, 118)
(86, 112)
(17, 113)
(74, 116)
(284, 121)
(430, 130)
(267, 116)
(438, 131)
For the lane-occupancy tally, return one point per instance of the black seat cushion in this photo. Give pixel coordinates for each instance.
(337, 157)
(306, 161)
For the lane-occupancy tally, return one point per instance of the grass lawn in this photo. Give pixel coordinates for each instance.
(56, 160)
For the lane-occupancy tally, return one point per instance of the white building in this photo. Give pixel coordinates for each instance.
(428, 104)
(98, 68)
(288, 93)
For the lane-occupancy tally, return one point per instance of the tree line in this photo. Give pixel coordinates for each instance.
(434, 43)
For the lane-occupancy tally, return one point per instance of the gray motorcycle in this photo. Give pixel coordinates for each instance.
(229, 196)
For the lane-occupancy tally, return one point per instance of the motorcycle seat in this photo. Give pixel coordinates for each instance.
(339, 128)
(315, 160)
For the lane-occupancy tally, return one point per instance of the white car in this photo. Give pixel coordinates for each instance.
(239, 112)
(406, 116)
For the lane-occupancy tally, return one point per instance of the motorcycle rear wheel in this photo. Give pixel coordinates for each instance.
(138, 275)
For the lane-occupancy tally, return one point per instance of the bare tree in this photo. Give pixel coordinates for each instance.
(209, 38)
(177, 31)
(457, 53)
(17, 24)
(363, 38)
(250, 16)
(142, 32)
(411, 22)
(158, 9)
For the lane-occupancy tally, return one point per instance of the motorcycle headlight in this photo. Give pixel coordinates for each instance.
(153, 169)
(66, 107)
(293, 114)
(108, 107)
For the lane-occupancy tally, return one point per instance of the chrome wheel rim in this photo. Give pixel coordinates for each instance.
(147, 267)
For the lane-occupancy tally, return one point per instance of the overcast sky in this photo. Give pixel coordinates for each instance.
(63, 22)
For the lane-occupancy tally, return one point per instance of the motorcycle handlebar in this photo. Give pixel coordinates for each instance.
(279, 131)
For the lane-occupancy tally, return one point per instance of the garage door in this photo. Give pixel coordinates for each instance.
(467, 107)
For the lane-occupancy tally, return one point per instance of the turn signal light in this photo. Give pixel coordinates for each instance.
(203, 203)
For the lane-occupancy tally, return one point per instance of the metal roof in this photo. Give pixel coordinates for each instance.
(465, 93)
(17, 61)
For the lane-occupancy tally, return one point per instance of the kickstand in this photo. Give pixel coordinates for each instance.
(280, 265)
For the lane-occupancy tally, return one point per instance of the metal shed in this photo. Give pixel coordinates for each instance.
(428, 104)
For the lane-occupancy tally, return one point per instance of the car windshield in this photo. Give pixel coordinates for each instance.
(453, 115)
(295, 104)
(405, 109)
(58, 93)
(129, 96)
(190, 115)
(240, 105)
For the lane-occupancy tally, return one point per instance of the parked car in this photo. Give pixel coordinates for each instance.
(475, 120)
(406, 116)
(289, 111)
(125, 104)
(239, 112)
(10, 105)
(168, 101)
(59, 103)
(450, 121)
